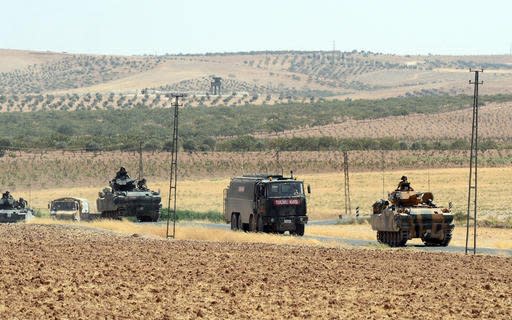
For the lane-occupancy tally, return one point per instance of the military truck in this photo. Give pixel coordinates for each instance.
(69, 208)
(266, 203)
(408, 214)
(12, 210)
(128, 197)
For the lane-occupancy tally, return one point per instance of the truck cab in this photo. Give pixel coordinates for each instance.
(266, 203)
(69, 208)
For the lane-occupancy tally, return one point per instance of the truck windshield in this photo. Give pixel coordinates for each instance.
(280, 189)
(65, 206)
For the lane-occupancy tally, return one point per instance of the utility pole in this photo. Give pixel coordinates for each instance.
(173, 179)
(278, 162)
(141, 168)
(383, 163)
(348, 209)
(473, 163)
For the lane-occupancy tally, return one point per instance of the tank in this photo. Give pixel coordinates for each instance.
(128, 197)
(12, 210)
(409, 214)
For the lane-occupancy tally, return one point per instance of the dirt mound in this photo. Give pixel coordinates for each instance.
(68, 272)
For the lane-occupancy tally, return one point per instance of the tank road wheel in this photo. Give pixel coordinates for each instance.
(404, 238)
(447, 238)
(438, 242)
(393, 238)
(107, 215)
(234, 222)
(380, 236)
(427, 243)
(299, 229)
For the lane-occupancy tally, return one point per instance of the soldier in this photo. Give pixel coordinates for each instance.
(404, 185)
(6, 195)
(7, 199)
(121, 174)
(22, 203)
(142, 184)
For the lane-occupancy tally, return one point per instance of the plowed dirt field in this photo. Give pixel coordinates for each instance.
(73, 272)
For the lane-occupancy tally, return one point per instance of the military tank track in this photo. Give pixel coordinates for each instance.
(392, 238)
(438, 242)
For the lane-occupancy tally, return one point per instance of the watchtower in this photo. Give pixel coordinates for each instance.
(215, 87)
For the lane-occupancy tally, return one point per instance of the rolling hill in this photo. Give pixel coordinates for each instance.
(267, 76)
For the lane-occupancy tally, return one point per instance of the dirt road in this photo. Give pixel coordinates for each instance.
(59, 271)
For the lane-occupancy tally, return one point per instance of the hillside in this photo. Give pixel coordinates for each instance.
(494, 123)
(259, 77)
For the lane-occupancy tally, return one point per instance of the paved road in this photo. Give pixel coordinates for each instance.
(368, 243)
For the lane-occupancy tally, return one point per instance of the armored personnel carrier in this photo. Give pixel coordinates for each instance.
(408, 214)
(12, 210)
(128, 197)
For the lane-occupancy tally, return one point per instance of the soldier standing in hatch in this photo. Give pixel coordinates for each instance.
(142, 185)
(121, 174)
(7, 199)
(6, 195)
(404, 185)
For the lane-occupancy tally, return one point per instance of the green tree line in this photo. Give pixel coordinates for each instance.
(218, 128)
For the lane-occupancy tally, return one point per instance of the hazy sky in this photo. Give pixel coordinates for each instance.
(195, 26)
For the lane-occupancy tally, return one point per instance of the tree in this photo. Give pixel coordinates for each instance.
(93, 147)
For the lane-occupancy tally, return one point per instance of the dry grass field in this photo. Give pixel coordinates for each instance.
(326, 200)
(73, 272)
(201, 230)
(35, 170)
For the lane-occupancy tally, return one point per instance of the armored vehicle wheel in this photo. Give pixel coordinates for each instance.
(240, 225)
(234, 222)
(253, 223)
(260, 223)
(299, 229)
(438, 242)
(380, 236)
(393, 239)
(447, 238)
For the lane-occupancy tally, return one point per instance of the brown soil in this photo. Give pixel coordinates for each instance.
(53, 271)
